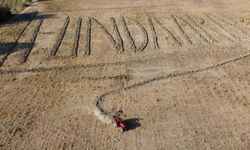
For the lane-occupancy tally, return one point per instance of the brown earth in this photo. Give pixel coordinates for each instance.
(180, 71)
(14, 6)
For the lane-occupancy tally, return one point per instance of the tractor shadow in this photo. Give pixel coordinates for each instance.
(29, 17)
(132, 123)
(24, 17)
(11, 47)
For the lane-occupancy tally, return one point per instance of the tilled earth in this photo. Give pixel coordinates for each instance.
(179, 70)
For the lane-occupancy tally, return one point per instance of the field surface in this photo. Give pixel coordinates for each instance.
(179, 70)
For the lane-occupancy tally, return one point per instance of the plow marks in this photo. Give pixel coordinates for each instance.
(77, 36)
(26, 52)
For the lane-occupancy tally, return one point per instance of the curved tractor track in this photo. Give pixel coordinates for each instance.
(106, 117)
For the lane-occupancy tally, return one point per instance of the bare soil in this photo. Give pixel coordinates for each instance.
(179, 70)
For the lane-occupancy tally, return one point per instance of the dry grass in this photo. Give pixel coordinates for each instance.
(26, 2)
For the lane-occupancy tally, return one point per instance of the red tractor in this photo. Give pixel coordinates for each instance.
(118, 122)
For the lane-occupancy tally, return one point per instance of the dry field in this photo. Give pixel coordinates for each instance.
(179, 69)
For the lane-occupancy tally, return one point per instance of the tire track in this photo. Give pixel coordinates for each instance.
(60, 38)
(115, 77)
(233, 22)
(234, 27)
(14, 45)
(202, 29)
(221, 19)
(80, 66)
(241, 26)
(194, 30)
(104, 115)
(26, 52)
(223, 28)
(217, 31)
(169, 32)
(187, 39)
(77, 38)
(61, 57)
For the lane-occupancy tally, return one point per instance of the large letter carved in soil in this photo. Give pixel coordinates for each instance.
(116, 41)
(152, 22)
(130, 38)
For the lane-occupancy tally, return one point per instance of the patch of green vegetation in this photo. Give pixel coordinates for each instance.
(26, 3)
